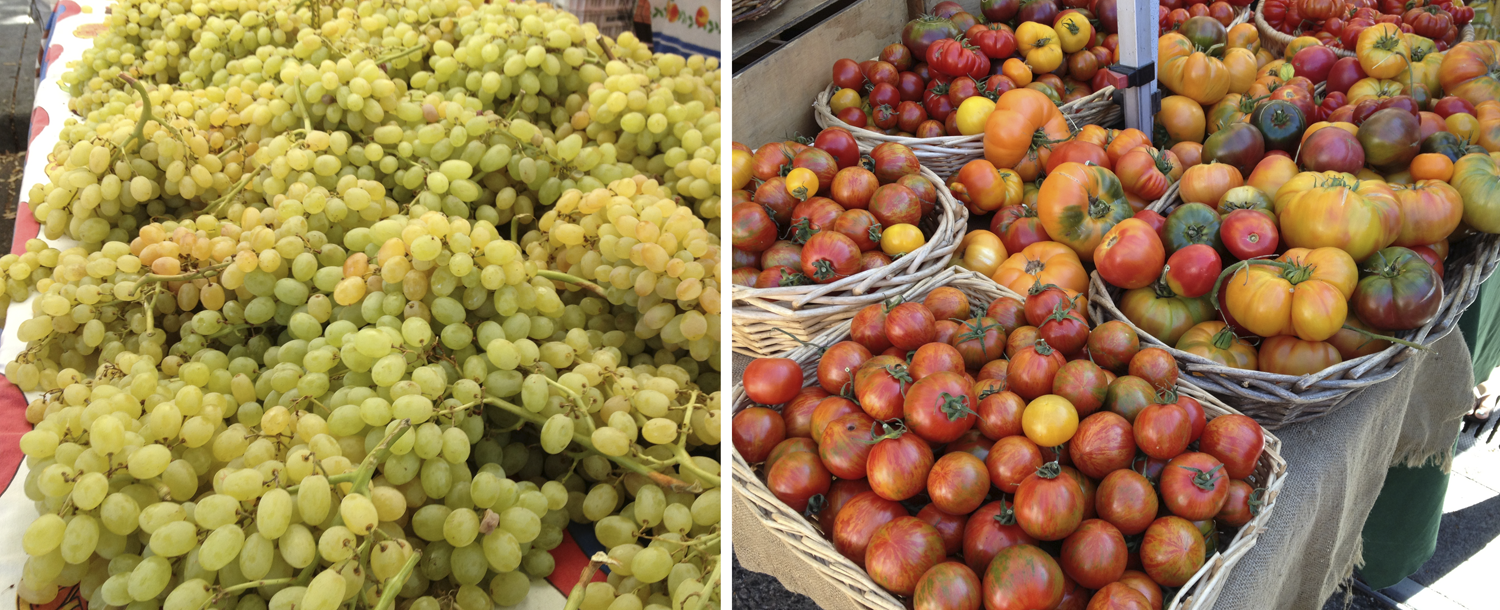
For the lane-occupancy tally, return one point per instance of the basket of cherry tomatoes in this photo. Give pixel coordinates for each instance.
(820, 231)
(934, 89)
(969, 446)
(1338, 23)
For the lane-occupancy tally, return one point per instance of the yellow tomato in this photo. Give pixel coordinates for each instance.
(1074, 32)
(802, 183)
(981, 251)
(1039, 44)
(743, 166)
(1049, 420)
(900, 239)
(973, 113)
(1463, 125)
(844, 98)
(1301, 42)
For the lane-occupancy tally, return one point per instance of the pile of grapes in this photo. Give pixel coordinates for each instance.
(360, 303)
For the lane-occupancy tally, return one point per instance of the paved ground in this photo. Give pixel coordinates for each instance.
(20, 40)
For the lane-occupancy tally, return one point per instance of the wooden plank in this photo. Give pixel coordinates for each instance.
(773, 97)
(752, 34)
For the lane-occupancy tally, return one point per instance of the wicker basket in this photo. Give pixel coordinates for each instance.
(947, 154)
(1274, 41)
(807, 542)
(750, 10)
(1277, 400)
(763, 317)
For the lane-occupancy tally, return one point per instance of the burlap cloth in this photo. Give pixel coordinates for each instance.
(1336, 466)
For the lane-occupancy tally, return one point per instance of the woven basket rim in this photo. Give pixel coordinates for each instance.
(1097, 101)
(953, 218)
(811, 546)
(761, 8)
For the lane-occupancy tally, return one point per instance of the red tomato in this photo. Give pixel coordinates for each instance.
(1033, 370)
(1127, 501)
(1094, 554)
(909, 326)
(1022, 577)
(836, 367)
(1143, 585)
(838, 495)
(1119, 596)
(858, 520)
(830, 256)
(1194, 486)
(947, 303)
(980, 341)
(1128, 395)
(1196, 415)
(940, 407)
(1249, 234)
(838, 142)
(1235, 440)
(1065, 330)
(798, 413)
(1172, 551)
(1156, 366)
(957, 483)
(772, 381)
(1192, 271)
(881, 389)
(898, 463)
(1042, 301)
(1000, 413)
(868, 328)
(788, 447)
(756, 431)
(1112, 345)
(950, 527)
(845, 446)
(1012, 459)
(1009, 313)
(1104, 443)
(1240, 505)
(1162, 431)
(1049, 506)
(935, 358)
(1130, 255)
(900, 552)
(753, 229)
(1083, 383)
(947, 586)
(847, 75)
(990, 529)
(798, 477)
(829, 409)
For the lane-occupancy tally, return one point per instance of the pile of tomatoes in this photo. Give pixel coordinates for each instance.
(1175, 12)
(1324, 222)
(1050, 466)
(1338, 23)
(822, 213)
(923, 86)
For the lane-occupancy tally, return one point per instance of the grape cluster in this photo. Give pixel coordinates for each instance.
(365, 302)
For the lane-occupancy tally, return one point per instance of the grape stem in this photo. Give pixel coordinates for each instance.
(397, 582)
(577, 403)
(302, 106)
(684, 460)
(213, 208)
(575, 598)
(558, 276)
(209, 271)
(658, 478)
(382, 451)
(713, 579)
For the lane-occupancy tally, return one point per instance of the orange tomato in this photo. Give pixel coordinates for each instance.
(1047, 262)
(1017, 71)
(1206, 183)
(1293, 356)
(1183, 119)
(1021, 131)
(1189, 153)
(1432, 166)
(1272, 172)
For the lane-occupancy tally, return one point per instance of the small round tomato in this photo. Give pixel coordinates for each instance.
(1049, 505)
(756, 431)
(950, 527)
(858, 225)
(1192, 271)
(1162, 430)
(857, 521)
(1130, 255)
(1049, 420)
(1023, 577)
(1287, 355)
(1172, 551)
(948, 586)
(958, 483)
(1009, 313)
(1235, 440)
(1000, 412)
(935, 357)
(898, 463)
(1241, 505)
(1011, 460)
(1112, 345)
(839, 495)
(754, 231)
(900, 552)
(1249, 234)
(797, 477)
(830, 256)
(1065, 330)
(798, 413)
(947, 303)
(1194, 486)
(1156, 366)
(894, 204)
(1082, 383)
(788, 447)
(868, 327)
(772, 381)
(901, 239)
(1104, 443)
(1094, 555)
(845, 446)
(940, 407)
(1033, 369)
(881, 389)
(979, 341)
(1127, 501)
(990, 529)
(836, 367)
(909, 326)
(828, 410)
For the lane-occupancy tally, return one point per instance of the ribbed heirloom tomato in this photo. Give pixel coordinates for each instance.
(1400, 290)
(1021, 131)
(1338, 210)
(1078, 204)
(1304, 293)
(1046, 263)
(1216, 341)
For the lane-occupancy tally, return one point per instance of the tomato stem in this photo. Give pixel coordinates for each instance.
(1050, 470)
(955, 407)
(1204, 480)
(1371, 335)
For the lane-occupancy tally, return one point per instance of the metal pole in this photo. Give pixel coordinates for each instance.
(1138, 23)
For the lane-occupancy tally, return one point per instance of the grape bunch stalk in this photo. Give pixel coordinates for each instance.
(360, 304)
